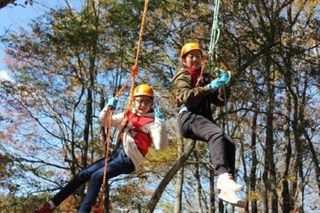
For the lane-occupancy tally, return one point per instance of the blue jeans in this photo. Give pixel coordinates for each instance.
(118, 164)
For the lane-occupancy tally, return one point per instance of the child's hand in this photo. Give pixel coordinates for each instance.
(112, 103)
(158, 114)
(225, 76)
(224, 79)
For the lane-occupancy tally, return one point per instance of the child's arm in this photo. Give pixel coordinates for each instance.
(186, 93)
(158, 134)
(105, 113)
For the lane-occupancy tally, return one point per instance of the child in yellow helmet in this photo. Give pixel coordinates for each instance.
(138, 130)
(195, 94)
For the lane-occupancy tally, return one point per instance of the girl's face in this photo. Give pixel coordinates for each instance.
(193, 59)
(143, 104)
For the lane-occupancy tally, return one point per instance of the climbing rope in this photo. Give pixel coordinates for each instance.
(134, 70)
(215, 33)
(135, 67)
(213, 52)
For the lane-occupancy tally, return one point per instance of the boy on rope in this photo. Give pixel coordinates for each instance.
(195, 93)
(141, 127)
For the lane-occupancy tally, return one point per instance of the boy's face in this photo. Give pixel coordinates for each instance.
(193, 59)
(143, 104)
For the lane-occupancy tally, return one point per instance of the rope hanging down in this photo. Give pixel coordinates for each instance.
(135, 67)
(134, 71)
(215, 33)
(213, 51)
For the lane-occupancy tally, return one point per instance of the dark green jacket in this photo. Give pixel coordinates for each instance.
(197, 99)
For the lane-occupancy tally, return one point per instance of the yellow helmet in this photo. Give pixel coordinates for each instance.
(189, 47)
(143, 89)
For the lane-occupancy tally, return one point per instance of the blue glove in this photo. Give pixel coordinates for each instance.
(158, 114)
(225, 76)
(112, 103)
(224, 79)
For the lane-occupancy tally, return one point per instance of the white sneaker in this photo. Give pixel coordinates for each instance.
(232, 198)
(225, 183)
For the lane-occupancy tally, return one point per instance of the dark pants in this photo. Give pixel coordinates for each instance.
(118, 164)
(222, 149)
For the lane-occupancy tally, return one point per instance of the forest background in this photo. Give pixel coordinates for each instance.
(68, 61)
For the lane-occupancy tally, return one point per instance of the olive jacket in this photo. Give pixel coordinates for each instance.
(197, 99)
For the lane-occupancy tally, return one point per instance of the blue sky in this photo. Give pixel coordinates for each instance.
(13, 17)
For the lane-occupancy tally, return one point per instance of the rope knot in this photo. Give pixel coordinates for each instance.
(216, 25)
(134, 70)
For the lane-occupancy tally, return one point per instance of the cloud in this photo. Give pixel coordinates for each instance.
(5, 77)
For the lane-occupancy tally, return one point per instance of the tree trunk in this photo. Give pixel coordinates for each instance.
(212, 208)
(180, 178)
(253, 179)
(286, 199)
(314, 159)
(269, 173)
(303, 127)
(171, 173)
(298, 183)
(198, 182)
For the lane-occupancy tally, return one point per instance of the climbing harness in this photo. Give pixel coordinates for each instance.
(134, 70)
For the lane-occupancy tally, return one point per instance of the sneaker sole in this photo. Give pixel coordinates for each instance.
(240, 203)
(234, 190)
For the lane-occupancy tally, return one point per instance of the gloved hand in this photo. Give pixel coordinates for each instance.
(225, 76)
(158, 114)
(224, 79)
(112, 103)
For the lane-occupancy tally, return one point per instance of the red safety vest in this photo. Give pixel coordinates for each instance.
(142, 139)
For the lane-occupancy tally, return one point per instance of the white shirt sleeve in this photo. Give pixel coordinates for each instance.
(116, 119)
(158, 134)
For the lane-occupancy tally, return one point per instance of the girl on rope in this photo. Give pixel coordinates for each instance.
(195, 95)
(138, 130)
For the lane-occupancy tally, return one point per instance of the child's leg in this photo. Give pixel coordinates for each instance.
(71, 187)
(231, 153)
(201, 128)
(77, 181)
(121, 164)
(221, 148)
(222, 151)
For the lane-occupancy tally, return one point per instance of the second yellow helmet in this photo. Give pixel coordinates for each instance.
(189, 47)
